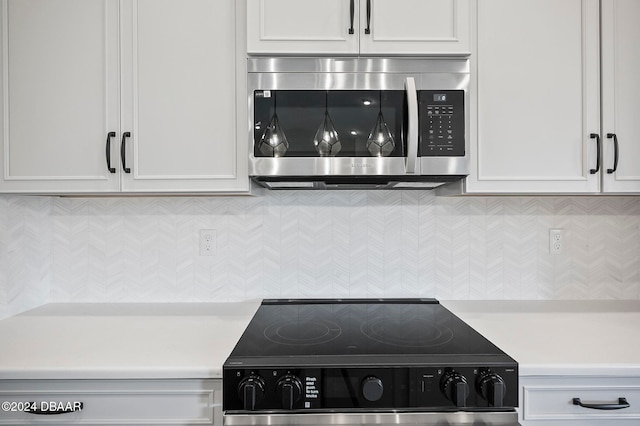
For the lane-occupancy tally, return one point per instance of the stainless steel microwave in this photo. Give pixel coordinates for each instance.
(370, 123)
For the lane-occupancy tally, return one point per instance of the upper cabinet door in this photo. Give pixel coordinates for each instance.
(621, 94)
(123, 96)
(179, 97)
(415, 27)
(358, 27)
(60, 89)
(306, 27)
(537, 91)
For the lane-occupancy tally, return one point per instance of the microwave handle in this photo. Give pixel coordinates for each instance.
(412, 126)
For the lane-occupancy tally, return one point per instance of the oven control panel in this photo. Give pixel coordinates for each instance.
(426, 388)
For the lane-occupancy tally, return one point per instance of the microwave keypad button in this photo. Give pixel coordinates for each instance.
(442, 127)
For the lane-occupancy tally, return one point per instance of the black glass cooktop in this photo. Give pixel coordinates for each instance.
(356, 327)
(400, 354)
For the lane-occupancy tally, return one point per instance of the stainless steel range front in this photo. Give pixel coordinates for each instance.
(333, 123)
(371, 361)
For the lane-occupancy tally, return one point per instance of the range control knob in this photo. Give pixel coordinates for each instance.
(492, 388)
(289, 389)
(455, 387)
(372, 388)
(251, 391)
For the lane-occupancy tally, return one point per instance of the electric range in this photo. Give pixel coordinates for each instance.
(355, 361)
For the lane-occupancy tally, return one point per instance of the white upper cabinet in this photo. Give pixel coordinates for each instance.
(61, 95)
(414, 27)
(302, 26)
(179, 86)
(358, 27)
(122, 96)
(537, 89)
(541, 124)
(621, 95)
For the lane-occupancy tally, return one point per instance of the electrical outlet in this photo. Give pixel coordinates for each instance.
(207, 242)
(556, 243)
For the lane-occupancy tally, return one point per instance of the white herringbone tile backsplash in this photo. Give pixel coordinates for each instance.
(316, 244)
(25, 253)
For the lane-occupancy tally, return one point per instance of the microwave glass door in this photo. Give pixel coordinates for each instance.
(334, 123)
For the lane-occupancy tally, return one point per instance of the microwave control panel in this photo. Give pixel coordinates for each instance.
(442, 128)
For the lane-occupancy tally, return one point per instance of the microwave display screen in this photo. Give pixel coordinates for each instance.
(440, 97)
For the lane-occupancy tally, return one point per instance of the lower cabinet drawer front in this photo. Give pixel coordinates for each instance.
(116, 402)
(555, 402)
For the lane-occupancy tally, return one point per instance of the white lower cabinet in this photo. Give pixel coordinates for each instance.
(111, 402)
(549, 400)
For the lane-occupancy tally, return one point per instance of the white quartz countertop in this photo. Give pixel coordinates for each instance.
(148, 341)
(560, 337)
(116, 341)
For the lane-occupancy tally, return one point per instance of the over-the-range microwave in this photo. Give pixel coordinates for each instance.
(366, 123)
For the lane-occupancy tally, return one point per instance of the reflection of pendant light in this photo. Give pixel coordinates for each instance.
(326, 140)
(273, 142)
(380, 142)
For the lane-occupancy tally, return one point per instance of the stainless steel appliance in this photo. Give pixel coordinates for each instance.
(382, 361)
(358, 122)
